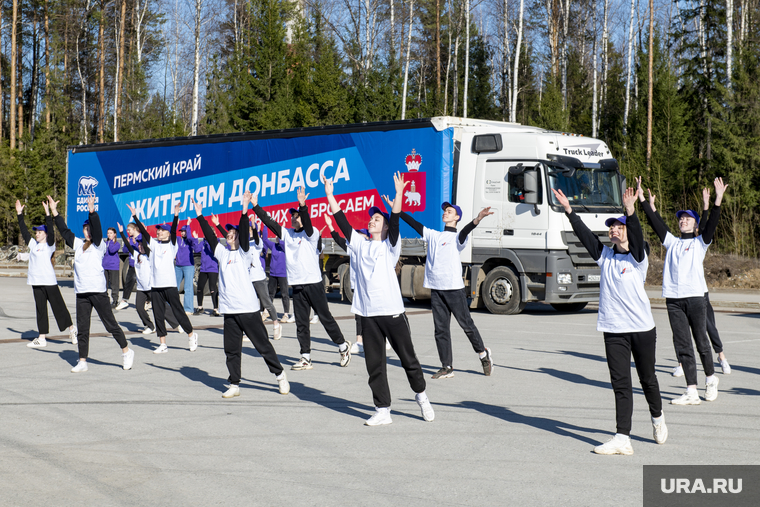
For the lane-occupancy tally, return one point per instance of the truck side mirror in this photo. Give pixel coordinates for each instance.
(531, 176)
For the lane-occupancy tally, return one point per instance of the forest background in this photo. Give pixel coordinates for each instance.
(672, 87)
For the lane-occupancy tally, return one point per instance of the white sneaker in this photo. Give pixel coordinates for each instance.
(291, 319)
(277, 333)
(424, 403)
(128, 359)
(37, 343)
(711, 389)
(302, 364)
(314, 319)
(73, 335)
(193, 342)
(660, 431)
(80, 367)
(678, 371)
(162, 349)
(725, 367)
(148, 330)
(232, 392)
(122, 304)
(382, 416)
(357, 348)
(345, 356)
(615, 445)
(282, 381)
(688, 398)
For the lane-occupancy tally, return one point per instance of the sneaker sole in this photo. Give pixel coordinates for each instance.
(673, 402)
(231, 396)
(164, 351)
(436, 377)
(384, 423)
(300, 368)
(616, 453)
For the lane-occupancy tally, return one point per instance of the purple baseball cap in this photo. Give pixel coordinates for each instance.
(86, 222)
(374, 209)
(689, 212)
(456, 208)
(292, 211)
(165, 227)
(611, 221)
(229, 227)
(184, 228)
(40, 228)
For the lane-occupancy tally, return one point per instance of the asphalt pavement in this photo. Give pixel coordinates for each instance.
(161, 434)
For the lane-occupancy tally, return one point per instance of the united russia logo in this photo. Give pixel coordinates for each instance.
(414, 195)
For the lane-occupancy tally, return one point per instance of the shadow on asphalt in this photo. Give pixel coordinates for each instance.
(581, 355)
(196, 375)
(341, 405)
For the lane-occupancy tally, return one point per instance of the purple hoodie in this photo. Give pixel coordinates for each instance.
(277, 261)
(111, 258)
(209, 264)
(135, 244)
(185, 248)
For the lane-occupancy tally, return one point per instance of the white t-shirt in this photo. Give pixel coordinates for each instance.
(41, 270)
(89, 275)
(623, 302)
(302, 259)
(236, 293)
(443, 267)
(143, 271)
(162, 260)
(683, 275)
(376, 289)
(256, 272)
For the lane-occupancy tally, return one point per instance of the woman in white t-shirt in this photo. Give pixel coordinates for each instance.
(90, 284)
(625, 318)
(41, 276)
(377, 300)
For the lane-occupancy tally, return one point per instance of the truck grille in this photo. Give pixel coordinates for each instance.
(578, 253)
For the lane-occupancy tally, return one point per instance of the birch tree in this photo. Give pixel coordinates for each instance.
(729, 40)
(408, 51)
(466, 56)
(650, 85)
(628, 73)
(513, 110)
(196, 66)
(594, 64)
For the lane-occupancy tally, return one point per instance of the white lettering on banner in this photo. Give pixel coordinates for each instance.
(175, 198)
(268, 184)
(155, 173)
(197, 162)
(342, 172)
(215, 196)
(189, 194)
(311, 183)
(200, 196)
(152, 207)
(253, 179)
(297, 179)
(164, 199)
(283, 182)
(83, 206)
(327, 164)
(237, 193)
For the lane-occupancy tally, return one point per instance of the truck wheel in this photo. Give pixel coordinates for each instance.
(348, 294)
(501, 292)
(569, 307)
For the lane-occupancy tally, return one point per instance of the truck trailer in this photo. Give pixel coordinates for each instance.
(526, 251)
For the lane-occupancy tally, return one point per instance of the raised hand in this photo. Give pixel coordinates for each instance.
(121, 227)
(652, 198)
(91, 204)
(388, 201)
(302, 196)
(483, 213)
(46, 207)
(53, 206)
(19, 207)
(329, 223)
(195, 235)
(177, 208)
(562, 200)
(322, 230)
(705, 198)
(639, 190)
(398, 180)
(189, 220)
(255, 200)
(198, 209)
(629, 200)
(247, 196)
(215, 219)
(328, 182)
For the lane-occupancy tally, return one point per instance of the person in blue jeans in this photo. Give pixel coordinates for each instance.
(184, 265)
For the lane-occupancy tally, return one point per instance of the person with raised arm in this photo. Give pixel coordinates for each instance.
(112, 265)
(377, 300)
(90, 284)
(41, 276)
(129, 283)
(625, 318)
(237, 300)
(258, 278)
(443, 276)
(278, 275)
(184, 265)
(684, 288)
(305, 277)
(163, 250)
(209, 272)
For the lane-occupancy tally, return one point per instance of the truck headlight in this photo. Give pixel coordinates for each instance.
(564, 278)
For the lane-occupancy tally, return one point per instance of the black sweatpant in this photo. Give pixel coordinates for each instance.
(140, 299)
(52, 293)
(358, 320)
(685, 313)
(213, 281)
(282, 282)
(396, 329)
(249, 323)
(161, 296)
(619, 347)
(85, 303)
(313, 296)
(446, 303)
(129, 283)
(262, 291)
(112, 282)
(712, 330)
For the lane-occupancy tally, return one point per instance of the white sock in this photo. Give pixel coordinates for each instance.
(41, 337)
(658, 420)
(483, 354)
(306, 356)
(124, 354)
(342, 347)
(276, 324)
(620, 436)
(422, 396)
(710, 379)
(281, 376)
(691, 389)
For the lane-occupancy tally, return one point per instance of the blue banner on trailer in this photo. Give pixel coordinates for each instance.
(215, 174)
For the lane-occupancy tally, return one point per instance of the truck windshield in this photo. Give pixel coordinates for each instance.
(588, 188)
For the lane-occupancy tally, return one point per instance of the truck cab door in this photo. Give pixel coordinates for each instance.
(524, 215)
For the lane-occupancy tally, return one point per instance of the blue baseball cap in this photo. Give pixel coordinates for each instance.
(184, 228)
(611, 221)
(229, 227)
(456, 208)
(40, 228)
(374, 209)
(292, 211)
(689, 212)
(86, 222)
(165, 227)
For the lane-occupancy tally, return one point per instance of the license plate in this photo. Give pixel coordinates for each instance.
(594, 278)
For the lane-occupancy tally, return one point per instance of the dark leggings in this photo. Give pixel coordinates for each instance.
(282, 282)
(51, 293)
(213, 279)
(129, 283)
(85, 304)
(112, 281)
(249, 323)
(313, 296)
(161, 296)
(687, 317)
(712, 330)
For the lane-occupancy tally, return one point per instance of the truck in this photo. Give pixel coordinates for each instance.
(525, 251)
